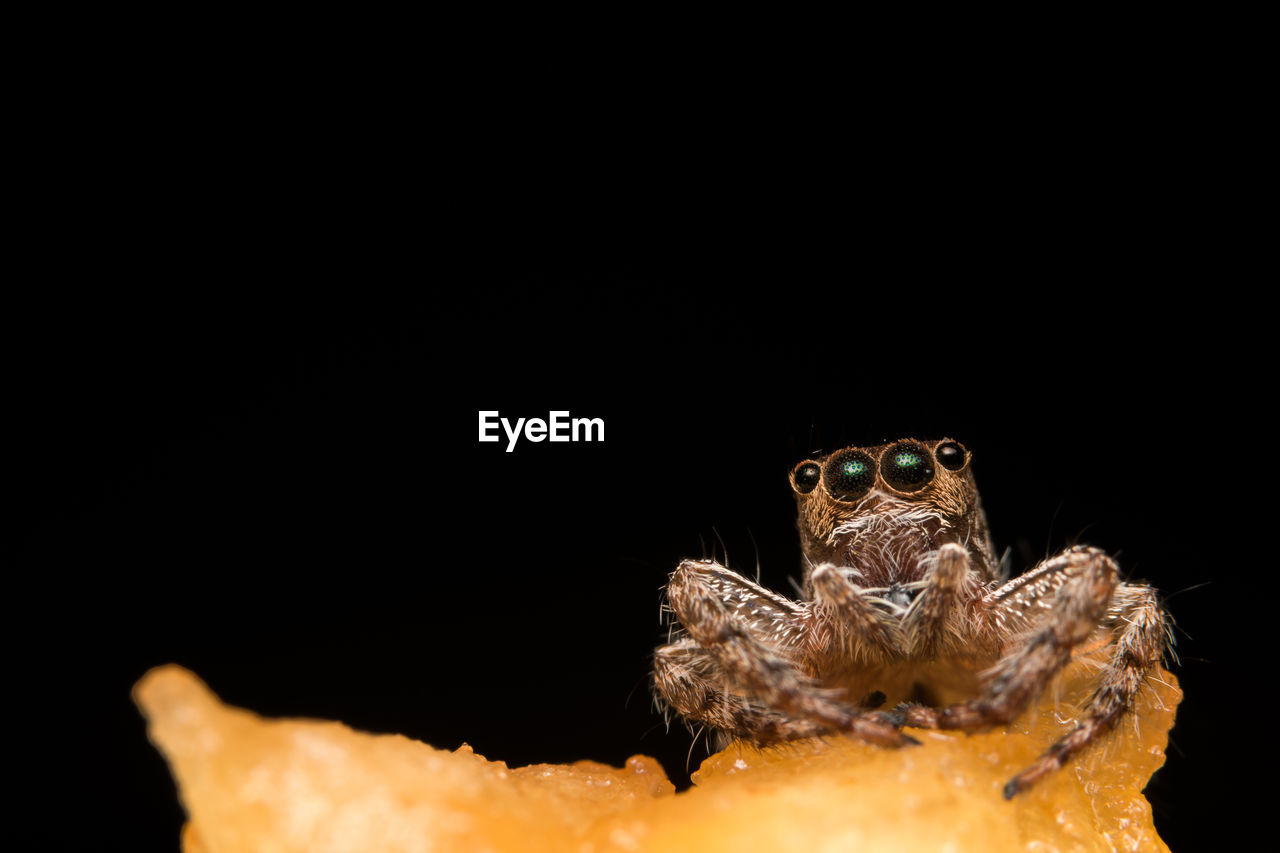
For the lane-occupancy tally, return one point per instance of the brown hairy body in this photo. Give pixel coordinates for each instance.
(904, 607)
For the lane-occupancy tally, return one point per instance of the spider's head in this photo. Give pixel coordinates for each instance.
(886, 510)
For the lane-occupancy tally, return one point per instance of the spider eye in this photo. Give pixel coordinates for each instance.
(950, 455)
(850, 474)
(906, 466)
(806, 477)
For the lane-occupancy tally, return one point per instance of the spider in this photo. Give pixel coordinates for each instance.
(904, 605)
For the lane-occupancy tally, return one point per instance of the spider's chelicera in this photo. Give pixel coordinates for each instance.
(904, 605)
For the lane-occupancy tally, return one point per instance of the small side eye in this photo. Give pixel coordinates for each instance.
(806, 477)
(907, 466)
(850, 475)
(950, 455)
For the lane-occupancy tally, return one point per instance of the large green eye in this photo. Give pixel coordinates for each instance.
(849, 475)
(907, 466)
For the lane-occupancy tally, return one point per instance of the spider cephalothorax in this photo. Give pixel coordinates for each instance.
(884, 511)
(904, 602)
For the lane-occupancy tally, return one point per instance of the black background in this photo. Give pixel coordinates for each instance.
(285, 492)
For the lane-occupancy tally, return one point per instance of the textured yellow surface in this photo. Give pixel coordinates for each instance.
(252, 784)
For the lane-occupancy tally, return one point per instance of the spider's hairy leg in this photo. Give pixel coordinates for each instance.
(704, 597)
(775, 619)
(1080, 581)
(843, 624)
(936, 621)
(685, 677)
(1141, 636)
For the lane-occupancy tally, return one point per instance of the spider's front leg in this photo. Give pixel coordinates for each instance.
(1065, 598)
(1140, 635)
(748, 632)
(1070, 593)
(687, 677)
(689, 680)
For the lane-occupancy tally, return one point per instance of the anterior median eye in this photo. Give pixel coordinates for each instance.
(849, 475)
(906, 466)
(807, 476)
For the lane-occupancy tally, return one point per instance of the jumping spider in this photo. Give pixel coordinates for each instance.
(904, 603)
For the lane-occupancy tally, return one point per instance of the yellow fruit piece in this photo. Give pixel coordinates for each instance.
(251, 784)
